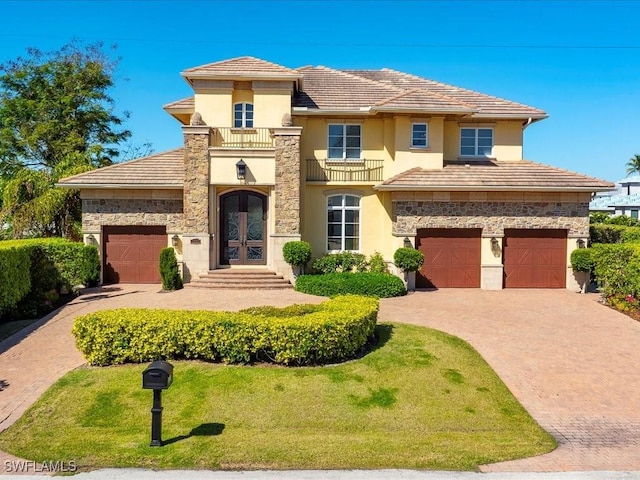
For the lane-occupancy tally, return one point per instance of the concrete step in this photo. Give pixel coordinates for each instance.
(241, 279)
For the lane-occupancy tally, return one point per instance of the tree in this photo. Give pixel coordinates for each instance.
(56, 119)
(633, 165)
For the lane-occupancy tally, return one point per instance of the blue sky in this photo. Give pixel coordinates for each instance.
(578, 60)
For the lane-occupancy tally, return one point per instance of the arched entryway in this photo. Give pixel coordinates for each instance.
(243, 226)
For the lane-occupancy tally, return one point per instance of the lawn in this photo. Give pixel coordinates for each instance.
(421, 399)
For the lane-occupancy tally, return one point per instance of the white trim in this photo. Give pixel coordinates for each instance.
(344, 157)
(426, 125)
(476, 147)
(344, 208)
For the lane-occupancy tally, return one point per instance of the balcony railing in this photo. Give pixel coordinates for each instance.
(254, 138)
(324, 170)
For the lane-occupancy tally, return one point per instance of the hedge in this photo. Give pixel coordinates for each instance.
(32, 270)
(617, 269)
(610, 233)
(379, 285)
(335, 330)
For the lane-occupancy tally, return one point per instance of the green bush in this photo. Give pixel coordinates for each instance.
(617, 269)
(379, 285)
(606, 233)
(340, 262)
(377, 263)
(630, 234)
(408, 259)
(333, 331)
(15, 277)
(91, 266)
(582, 260)
(169, 271)
(297, 253)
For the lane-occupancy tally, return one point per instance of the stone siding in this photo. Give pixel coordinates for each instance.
(287, 189)
(97, 212)
(196, 180)
(492, 217)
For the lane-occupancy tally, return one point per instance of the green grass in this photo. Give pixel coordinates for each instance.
(422, 399)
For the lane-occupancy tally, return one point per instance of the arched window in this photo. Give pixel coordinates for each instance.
(343, 223)
(243, 115)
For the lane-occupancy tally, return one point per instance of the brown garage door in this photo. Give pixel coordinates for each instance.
(131, 253)
(451, 258)
(535, 258)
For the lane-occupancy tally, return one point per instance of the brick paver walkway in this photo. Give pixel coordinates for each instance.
(574, 364)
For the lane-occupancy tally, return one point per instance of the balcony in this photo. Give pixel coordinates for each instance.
(344, 170)
(241, 138)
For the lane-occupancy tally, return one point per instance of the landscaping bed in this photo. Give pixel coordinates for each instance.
(421, 399)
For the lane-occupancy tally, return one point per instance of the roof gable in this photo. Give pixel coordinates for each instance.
(242, 68)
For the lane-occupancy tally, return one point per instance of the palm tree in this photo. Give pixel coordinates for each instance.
(633, 165)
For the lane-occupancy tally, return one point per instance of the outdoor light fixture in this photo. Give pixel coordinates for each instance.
(91, 239)
(495, 244)
(407, 242)
(241, 169)
(174, 240)
(580, 243)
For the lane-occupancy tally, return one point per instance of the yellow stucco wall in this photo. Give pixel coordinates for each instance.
(269, 106)
(261, 169)
(216, 107)
(375, 219)
(507, 139)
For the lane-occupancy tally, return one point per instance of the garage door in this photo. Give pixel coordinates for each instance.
(131, 254)
(535, 258)
(451, 258)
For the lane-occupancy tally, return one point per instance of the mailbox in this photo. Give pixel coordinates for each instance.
(158, 375)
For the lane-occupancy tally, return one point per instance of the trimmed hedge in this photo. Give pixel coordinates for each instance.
(617, 269)
(371, 284)
(335, 330)
(32, 270)
(606, 233)
(582, 260)
(408, 259)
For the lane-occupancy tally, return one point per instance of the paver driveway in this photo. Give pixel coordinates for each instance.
(573, 363)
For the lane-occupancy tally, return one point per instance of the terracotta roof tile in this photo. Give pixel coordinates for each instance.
(184, 103)
(241, 66)
(164, 169)
(494, 175)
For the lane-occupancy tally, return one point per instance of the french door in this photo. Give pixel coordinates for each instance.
(243, 220)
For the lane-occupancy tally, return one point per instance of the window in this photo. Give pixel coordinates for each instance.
(243, 115)
(419, 135)
(634, 214)
(343, 223)
(344, 142)
(476, 142)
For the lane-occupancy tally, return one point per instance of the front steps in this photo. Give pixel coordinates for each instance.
(240, 279)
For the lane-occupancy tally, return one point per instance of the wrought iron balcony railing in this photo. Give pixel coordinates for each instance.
(234, 138)
(329, 170)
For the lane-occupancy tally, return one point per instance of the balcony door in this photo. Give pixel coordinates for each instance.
(243, 220)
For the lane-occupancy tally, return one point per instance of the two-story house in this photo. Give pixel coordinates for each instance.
(359, 160)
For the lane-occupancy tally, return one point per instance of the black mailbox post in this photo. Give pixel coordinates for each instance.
(157, 376)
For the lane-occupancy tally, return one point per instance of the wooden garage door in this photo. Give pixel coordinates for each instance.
(451, 258)
(131, 254)
(535, 258)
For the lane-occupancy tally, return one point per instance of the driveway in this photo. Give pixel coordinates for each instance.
(573, 363)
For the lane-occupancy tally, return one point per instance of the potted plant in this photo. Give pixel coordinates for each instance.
(582, 264)
(409, 260)
(297, 254)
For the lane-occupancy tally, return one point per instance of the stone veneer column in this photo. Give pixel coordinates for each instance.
(286, 194)
(196, 239)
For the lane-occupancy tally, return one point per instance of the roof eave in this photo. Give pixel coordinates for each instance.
(322, 111)
(486, 188)
(430, 111)
(510, 116)
(188, 76)
(136, 186)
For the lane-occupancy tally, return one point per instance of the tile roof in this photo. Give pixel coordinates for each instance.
(241, 67)
(494, 175)
(486, 105)
(161, 170)
(188, 103)
(609, 202)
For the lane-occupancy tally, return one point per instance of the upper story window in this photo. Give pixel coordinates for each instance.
(344, 142)
(476, 142)
(343, 223)
(243, 115)
(419, 135)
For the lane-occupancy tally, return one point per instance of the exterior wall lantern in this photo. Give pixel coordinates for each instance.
(241, 170)
(157, 376)
(407, 243)
(91, 239)
(175, 240)
(495, 244)
(580, 243)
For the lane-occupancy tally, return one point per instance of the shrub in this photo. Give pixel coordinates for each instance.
(91, 266)
(582, 260)
(169, 271)
(371, 284)
(15, 277)
(630, 234)
(408, 259)
(340, 262)
(297, 253)
(298, 335)
(605, 233)
(617, 269)
(377, 263)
